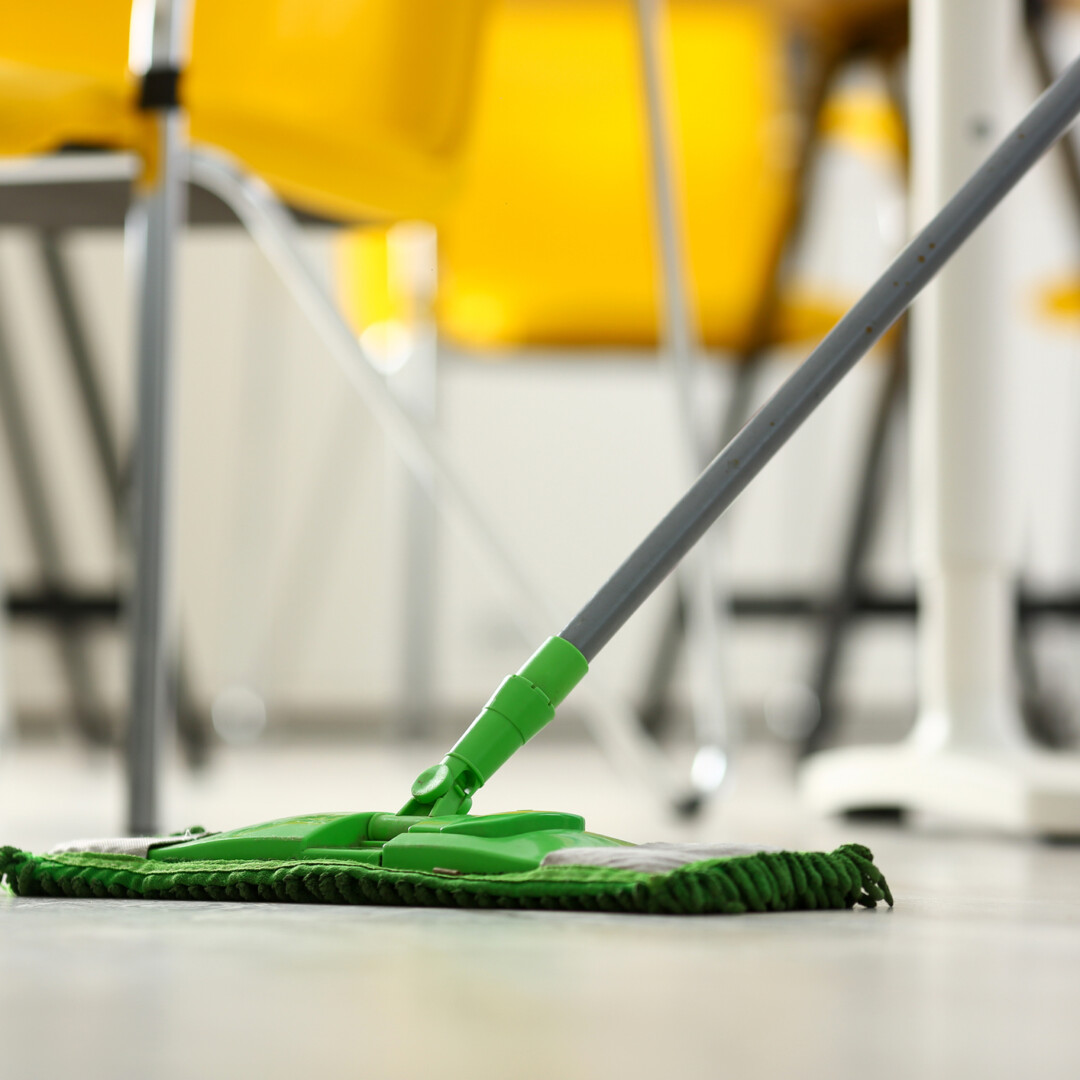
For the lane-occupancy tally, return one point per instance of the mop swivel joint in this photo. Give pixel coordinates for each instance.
(522, 705)
(445, 788)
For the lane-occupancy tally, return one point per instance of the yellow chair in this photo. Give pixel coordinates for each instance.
(552, 238)
(350, 109)
(64, 77)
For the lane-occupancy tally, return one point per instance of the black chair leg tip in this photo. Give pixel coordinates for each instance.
(654, 720)
(876, 815)
(689, 806)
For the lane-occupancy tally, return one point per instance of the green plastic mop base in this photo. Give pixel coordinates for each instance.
(765, 881)
(457, 843)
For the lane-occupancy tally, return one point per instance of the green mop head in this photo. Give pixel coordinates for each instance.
(728, 885)
(434, 853)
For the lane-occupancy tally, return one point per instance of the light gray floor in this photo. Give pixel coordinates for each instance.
(976, 972)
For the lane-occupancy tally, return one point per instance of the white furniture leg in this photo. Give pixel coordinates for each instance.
(967, 759)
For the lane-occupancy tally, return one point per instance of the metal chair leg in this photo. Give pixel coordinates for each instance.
(841, 608)
(193, 729)
(1047, 721)
(654, 709)
(84, 367)
(191, 726)
(697, 578)
(655, 702)
(1066, 151)
(152, 228)
(71, 641)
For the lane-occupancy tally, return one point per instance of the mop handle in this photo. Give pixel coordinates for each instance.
(763, 435)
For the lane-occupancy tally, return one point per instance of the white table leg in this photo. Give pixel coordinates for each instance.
(967, 759)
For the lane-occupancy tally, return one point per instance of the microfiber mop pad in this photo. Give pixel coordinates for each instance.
(647, 879)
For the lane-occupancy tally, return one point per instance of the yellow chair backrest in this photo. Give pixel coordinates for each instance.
(345, 106)
(351, 107)
(550, 239)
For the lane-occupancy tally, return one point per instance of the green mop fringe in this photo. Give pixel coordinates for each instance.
(767, 881)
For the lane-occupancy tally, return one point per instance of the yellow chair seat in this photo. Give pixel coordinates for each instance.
(64, 76)
(550, 239)
(40, 110)
(349, 107)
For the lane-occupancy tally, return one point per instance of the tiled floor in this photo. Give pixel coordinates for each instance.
(976, 972)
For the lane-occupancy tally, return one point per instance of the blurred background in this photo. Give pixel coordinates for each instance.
(499, 258)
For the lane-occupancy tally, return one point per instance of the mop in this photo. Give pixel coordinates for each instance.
(433, 852)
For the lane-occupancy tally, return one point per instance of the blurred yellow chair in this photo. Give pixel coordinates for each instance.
(552, 238)
(551, 241)
(64, 77)
(350, 108)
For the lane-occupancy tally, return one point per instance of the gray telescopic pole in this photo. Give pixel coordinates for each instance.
(744, 457)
